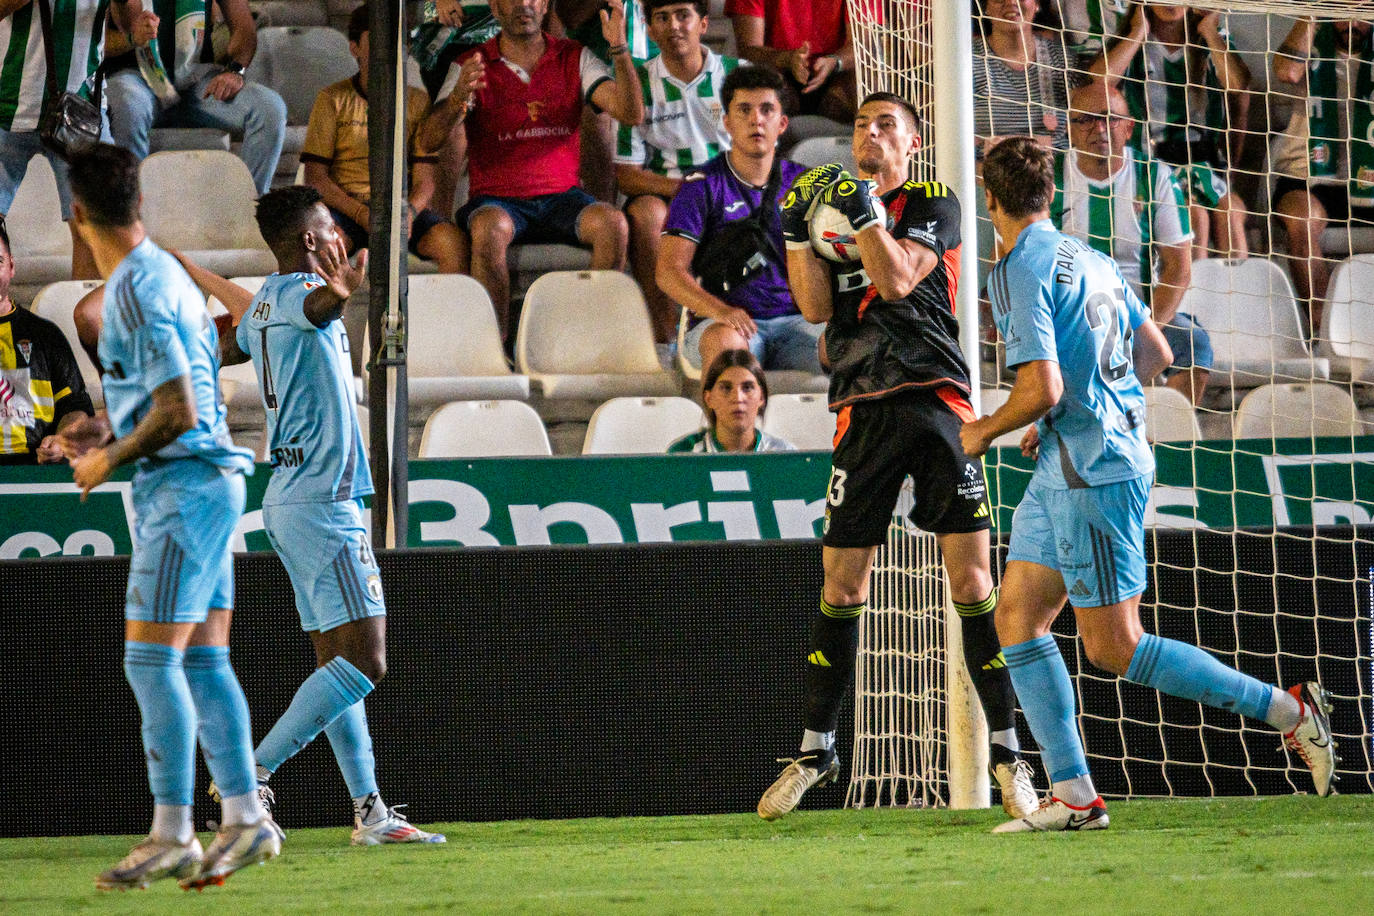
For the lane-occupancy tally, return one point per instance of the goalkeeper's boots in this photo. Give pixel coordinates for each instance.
(1013, 775)
(1054, 814)
(807, 769)
(153, 860)
(393, 828)
(236, 846)
(1311, 738)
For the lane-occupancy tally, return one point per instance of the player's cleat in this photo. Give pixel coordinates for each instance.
(393, 828)
(1311, 738)
(807, 769)
(1054, 814)
(153, 860)
(266, 797)
(1014, 776)
(234, 847)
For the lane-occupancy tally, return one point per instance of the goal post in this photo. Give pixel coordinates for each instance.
(1253, 538)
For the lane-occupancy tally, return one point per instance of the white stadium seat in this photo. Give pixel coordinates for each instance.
(297, 62)
(55, 302)
(40, 241)
(1297, 410)
(640, 426)
(453, 348)
(201, 203)
(814, 151)
(1347, 331)
(484, 429)
(1249, 311)
(1169, 417)
(585, 335)
(804, 420)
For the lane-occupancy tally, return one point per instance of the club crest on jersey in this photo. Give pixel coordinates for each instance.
(314, 284)
(25, 348)
(533, 109)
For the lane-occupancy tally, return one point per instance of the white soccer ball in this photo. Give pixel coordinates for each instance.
(832, 236)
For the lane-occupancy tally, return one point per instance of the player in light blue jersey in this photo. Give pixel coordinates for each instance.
(312, 509)
(159, 358)
(1081, 343)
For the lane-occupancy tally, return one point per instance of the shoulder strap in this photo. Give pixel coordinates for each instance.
(207, 43)
(45, 22)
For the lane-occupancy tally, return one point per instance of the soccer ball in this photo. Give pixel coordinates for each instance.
(832, 236)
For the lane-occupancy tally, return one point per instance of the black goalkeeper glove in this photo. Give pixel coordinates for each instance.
(796, 206)
(857, 199)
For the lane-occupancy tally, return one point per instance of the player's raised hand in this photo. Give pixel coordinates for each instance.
(339, 274)
(796, 206)
(857, 199)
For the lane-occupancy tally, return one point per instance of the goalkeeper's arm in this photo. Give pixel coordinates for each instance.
(809, 278)
(894, 266)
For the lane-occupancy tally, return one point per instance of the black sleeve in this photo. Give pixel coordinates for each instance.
(65, 374)
(930, 216)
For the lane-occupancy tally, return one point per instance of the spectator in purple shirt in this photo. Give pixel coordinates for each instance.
(759, 314)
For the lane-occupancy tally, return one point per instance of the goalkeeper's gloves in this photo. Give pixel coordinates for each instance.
(857, 199)
(796, 205)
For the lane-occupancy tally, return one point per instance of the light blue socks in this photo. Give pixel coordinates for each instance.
(1181, 670)
(320, 700)
(155, 673)
(226, 735)
(352, 746)
(1042, 684)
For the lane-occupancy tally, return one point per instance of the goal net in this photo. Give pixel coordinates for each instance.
(1246, 208)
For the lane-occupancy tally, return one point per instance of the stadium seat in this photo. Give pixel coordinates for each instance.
(1297, 410)
(1249, 309)
(245, 395)
(40, 241)
(1169, 417)
(55, 302)
(804, 127)
(454, 348)
(1347, 331)
(201, 202)
(640, 426)
(161, 139)
(804, 420)
(585, 336)
(268, 13)
(994, 398)
(484, 429)
(815, 151)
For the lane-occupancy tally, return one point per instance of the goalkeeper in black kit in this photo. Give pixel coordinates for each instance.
(899, 386)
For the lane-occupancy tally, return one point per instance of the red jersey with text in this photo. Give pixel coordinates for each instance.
(878, 348)
(523, 135)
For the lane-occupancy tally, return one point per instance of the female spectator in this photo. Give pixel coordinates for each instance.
(734, 393)
(1020, 75)
(1182, 79)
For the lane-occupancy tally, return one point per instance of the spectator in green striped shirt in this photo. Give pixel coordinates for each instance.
(682, 130)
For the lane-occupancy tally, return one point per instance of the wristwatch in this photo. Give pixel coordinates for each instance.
(839, 63)
(234, 67)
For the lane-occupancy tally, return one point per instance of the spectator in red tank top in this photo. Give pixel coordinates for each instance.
(808, 42)
(520, 97)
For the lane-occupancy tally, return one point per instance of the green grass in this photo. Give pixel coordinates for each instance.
(1248, 856)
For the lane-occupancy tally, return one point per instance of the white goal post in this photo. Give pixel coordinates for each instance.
(1269, 450)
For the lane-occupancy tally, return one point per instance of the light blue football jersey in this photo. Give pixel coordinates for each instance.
(1055, 298)
(306, 380)
(155, 328)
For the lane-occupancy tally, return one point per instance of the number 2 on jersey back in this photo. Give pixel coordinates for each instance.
(1108, 308)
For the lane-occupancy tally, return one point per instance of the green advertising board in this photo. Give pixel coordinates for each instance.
(644, 499)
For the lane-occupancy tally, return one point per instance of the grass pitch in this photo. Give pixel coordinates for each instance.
(1250, 856)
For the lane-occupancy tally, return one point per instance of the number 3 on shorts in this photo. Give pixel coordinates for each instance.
(835, 494)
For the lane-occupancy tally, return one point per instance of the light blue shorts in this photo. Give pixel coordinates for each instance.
(785, 342)
(328, 555)
(182, 563)
(1094, 537)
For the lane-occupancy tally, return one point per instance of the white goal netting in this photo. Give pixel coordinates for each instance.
(1262, 230)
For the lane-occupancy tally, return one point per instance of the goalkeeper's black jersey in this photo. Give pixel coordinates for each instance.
(878, 348)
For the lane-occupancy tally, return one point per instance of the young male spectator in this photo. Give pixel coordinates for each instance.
(759, 314)
(41, 391)
(78, 35)
(808, 42)
(206, 94)
(1187, 89)
(682, 129)
(1326, 153)
(520, 96)
(335, 156)
(1128, 206)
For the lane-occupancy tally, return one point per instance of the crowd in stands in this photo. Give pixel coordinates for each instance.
(643, 131)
